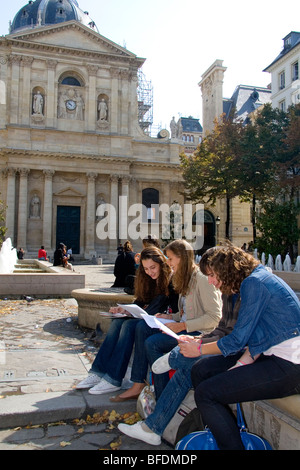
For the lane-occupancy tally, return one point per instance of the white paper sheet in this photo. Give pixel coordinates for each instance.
(134, 309)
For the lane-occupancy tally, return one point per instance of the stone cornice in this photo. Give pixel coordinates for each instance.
(24, 40)
(5, 152)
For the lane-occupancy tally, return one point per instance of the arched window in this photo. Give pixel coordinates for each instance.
(72, 81)
(150, 201)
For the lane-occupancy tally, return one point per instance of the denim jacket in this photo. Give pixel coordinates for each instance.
(269, 314)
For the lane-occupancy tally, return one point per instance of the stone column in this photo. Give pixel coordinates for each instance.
(114, 99)
(113, 214)
(90, 214)
(123, 209)
(91, 106)
(47, 210)
(23, 208)
(10, 203)
(26, 98)
(51, 104)
(15, 81)
(125, 102)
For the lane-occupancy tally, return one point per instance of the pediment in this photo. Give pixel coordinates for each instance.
(72, 35)
(69, 192)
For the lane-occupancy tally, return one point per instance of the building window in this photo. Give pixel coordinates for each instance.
(150, 201)
(295, 71)
(282, 80)
(282, 106)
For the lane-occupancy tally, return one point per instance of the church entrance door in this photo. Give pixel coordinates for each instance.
(68, 227)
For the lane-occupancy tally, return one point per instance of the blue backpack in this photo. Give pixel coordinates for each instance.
(204, 440)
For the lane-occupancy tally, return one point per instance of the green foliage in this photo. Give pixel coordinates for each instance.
(257, 161)
(277, 223)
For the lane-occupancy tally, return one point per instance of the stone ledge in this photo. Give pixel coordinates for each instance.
(92, 301)
(278, 421)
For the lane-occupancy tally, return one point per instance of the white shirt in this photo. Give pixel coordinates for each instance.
(289, 350)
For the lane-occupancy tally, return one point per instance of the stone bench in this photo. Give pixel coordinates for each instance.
(93, 301)
(278, 421)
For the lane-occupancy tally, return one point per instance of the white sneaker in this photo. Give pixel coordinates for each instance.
(138, 432)
(89, 382)
(103, 387)
(161, 365)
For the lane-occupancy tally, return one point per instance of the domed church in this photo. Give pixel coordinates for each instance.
(70, 139)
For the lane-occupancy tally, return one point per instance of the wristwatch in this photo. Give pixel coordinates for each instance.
(71, 105)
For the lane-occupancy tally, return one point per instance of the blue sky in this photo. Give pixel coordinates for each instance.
(181, 39)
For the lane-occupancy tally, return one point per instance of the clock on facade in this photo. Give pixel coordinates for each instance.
(71, 105)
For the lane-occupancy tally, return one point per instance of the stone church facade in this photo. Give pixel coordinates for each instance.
(70, 140)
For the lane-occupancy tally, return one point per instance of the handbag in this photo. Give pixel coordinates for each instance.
(204, 440)
(146, 401)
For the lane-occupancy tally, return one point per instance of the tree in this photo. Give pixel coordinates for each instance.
(211, 173)
(278, 226)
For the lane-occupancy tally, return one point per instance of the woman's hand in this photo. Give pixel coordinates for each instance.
(163, 315)
(117, 310)
(189, 348)
(176, 326)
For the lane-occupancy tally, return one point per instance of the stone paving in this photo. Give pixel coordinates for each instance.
(43, 354)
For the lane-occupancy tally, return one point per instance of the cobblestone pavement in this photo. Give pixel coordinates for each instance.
(43, 354)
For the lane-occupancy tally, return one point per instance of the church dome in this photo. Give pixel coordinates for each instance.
(39, 13)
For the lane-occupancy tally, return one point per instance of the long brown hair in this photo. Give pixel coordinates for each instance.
(230, 264)
(187, 266)
(145, 287)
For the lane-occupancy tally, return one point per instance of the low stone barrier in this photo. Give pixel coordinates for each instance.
(93, 301)
(291, 278)
(42, 281)
(278, 421)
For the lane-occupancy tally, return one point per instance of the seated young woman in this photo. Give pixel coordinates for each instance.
(268, 326)
(153, 293)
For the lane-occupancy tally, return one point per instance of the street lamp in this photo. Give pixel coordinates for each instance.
(218, 220)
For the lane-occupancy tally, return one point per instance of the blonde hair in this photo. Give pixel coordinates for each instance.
(187, 265)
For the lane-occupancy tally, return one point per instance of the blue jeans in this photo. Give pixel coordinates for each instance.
(173, 393)
(140, 362)
(156, 346)
(113, 357)
(216, 387)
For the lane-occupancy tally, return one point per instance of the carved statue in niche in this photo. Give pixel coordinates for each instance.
(102, 108)
(99, 203)
(35, 207)
(37, 109)
(37, 103)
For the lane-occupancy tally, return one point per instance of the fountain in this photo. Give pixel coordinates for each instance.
(297, 265)
(278, 263)
(8, 257)
(287, 264)
(270, 262)
(19, 278)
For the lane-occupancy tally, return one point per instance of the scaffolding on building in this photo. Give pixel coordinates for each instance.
(145, 102)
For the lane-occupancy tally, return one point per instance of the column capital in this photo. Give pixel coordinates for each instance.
(91, 176)
(114, 178)
(9, 172)
(48, 174)
(24, 172)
